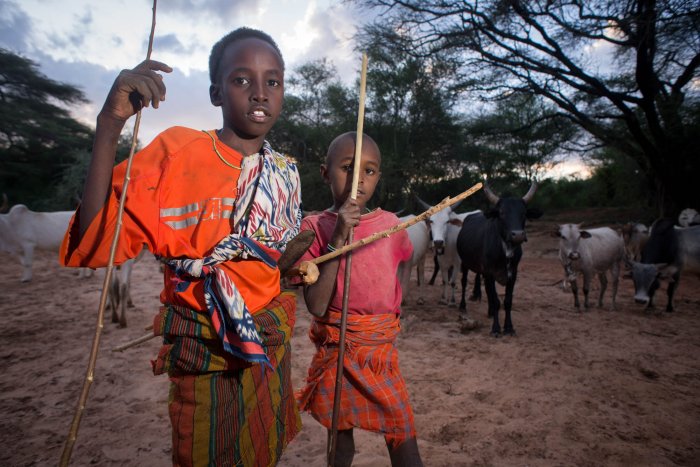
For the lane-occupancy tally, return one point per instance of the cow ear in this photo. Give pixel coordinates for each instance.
(533, 213)
(556, 233)
(585, 234)
(456, 222)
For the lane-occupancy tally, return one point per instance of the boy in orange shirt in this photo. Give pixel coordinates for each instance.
(218, 207)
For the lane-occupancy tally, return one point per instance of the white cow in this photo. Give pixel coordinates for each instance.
(590, 251)
(420, 239)
(688, 217)
(120, 290)
(22, 231)
(444, 227)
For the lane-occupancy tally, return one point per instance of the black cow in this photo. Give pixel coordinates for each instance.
(668, 251)
(489, 244)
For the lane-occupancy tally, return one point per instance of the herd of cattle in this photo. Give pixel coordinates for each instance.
(488, 243)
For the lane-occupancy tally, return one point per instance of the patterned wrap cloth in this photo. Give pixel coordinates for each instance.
(263, 216)
(374, 395)
(225, 411)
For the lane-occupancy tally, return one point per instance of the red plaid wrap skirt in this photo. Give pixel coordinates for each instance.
(373, 395)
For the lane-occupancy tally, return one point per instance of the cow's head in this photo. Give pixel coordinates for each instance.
(570, 236)
(438, 223)
(512, 212)
(647, 278)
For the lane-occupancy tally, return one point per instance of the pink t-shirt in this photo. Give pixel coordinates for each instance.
(374, 287)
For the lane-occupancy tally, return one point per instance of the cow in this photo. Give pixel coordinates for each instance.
(688, 217)
(669, 251)
(22, 231)
(419, 235)
(590, 251)
(634, 236)
(444, 228)
(120, 290)
(489, 243)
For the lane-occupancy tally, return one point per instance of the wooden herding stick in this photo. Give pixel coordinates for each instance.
(306, 268)
(89, 376)
(333, 435)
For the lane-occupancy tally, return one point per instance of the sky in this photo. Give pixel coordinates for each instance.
(87, 43)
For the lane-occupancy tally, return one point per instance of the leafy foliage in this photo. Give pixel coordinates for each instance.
(643, 104)
(38, 137)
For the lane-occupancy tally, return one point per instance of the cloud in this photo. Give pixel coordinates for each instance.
(215, 10)
(170, 43)
(15, 26)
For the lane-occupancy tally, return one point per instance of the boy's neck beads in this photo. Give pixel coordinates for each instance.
(216, 150)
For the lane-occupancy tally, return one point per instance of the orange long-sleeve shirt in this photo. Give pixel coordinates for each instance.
(179, 203)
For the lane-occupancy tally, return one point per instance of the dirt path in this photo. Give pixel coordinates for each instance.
(595, 388)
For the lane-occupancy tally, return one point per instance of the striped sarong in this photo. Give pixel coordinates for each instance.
(374, 395)
(223, 410)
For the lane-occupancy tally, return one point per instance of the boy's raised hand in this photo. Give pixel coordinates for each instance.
(134, 89)
(348, 217)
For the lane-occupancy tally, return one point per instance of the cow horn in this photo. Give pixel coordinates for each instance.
(530, 193)
(5, 203)
(423, 203)
(490, 194)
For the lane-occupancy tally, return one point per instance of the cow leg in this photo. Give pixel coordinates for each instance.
(124, 298)
(114, 297)
(463, 302)
(420, 272)
(436, 269)
(453, 286)
(508, 328)
(494, 305)
(27, 258)
(586, 289)
(603, 287)
(672, 285)
(445, 273)
(615, 273)
(574, 290)
(476, 291)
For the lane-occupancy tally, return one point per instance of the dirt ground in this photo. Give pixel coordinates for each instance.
(593, 388)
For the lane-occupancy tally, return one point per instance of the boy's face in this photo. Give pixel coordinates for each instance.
(338, 171)
(250, 88)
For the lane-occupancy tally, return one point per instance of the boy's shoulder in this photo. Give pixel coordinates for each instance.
(180, 135)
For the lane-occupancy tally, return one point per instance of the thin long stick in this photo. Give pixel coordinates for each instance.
(89, 375)
(333, 439)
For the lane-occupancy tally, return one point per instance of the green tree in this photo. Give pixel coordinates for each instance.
(411, 116)
(643, 105)
(38, 136)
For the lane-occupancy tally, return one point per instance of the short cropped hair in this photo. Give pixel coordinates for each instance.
(217, 51)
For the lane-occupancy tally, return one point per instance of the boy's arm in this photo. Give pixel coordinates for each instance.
(131, 91)
(319, 294)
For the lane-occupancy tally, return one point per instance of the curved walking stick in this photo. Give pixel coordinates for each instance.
(333, 435)
(89, 375)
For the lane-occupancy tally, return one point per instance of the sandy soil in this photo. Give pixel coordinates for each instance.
(594, 388)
